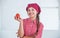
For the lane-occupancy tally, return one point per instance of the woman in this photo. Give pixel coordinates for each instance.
(30, 27)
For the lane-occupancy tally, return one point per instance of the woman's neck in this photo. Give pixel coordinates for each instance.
(33, 18)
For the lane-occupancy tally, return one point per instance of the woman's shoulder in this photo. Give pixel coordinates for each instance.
(26, 19)
(41, 24)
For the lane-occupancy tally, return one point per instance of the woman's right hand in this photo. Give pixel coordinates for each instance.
(18, 18)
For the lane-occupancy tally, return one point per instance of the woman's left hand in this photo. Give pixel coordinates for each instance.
(28, 37)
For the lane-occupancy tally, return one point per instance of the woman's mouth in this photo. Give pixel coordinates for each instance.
(30, 14)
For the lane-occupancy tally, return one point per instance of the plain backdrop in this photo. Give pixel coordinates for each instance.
(49, 17)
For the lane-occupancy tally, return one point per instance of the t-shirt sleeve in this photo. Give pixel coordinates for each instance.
(40, 30)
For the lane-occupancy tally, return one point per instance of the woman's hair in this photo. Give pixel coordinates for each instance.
(38, 23)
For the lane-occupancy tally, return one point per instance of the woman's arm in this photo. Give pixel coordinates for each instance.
(28, 37)
(40, 30)
(20, 32)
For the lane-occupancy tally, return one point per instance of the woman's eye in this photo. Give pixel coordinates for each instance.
(32, 9)
(28, 10)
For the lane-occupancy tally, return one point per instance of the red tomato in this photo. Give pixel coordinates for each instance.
(18, 15)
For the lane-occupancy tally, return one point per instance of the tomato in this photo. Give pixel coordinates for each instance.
(17, 15)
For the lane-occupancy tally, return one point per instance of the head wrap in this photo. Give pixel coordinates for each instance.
(35, 6)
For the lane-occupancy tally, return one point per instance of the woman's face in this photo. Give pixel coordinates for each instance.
(31, 12)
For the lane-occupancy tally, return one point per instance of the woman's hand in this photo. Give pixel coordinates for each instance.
(17, 34)
(18, 18)
(20, 32)
(28, 37)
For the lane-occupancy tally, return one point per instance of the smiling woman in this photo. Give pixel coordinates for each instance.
(49, 16)
(31, 27)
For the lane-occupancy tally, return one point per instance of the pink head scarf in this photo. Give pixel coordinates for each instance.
(35, 6)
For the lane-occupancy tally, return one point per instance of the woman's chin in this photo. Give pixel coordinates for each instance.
(31, 17)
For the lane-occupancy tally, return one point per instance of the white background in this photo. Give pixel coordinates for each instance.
(49, 15)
